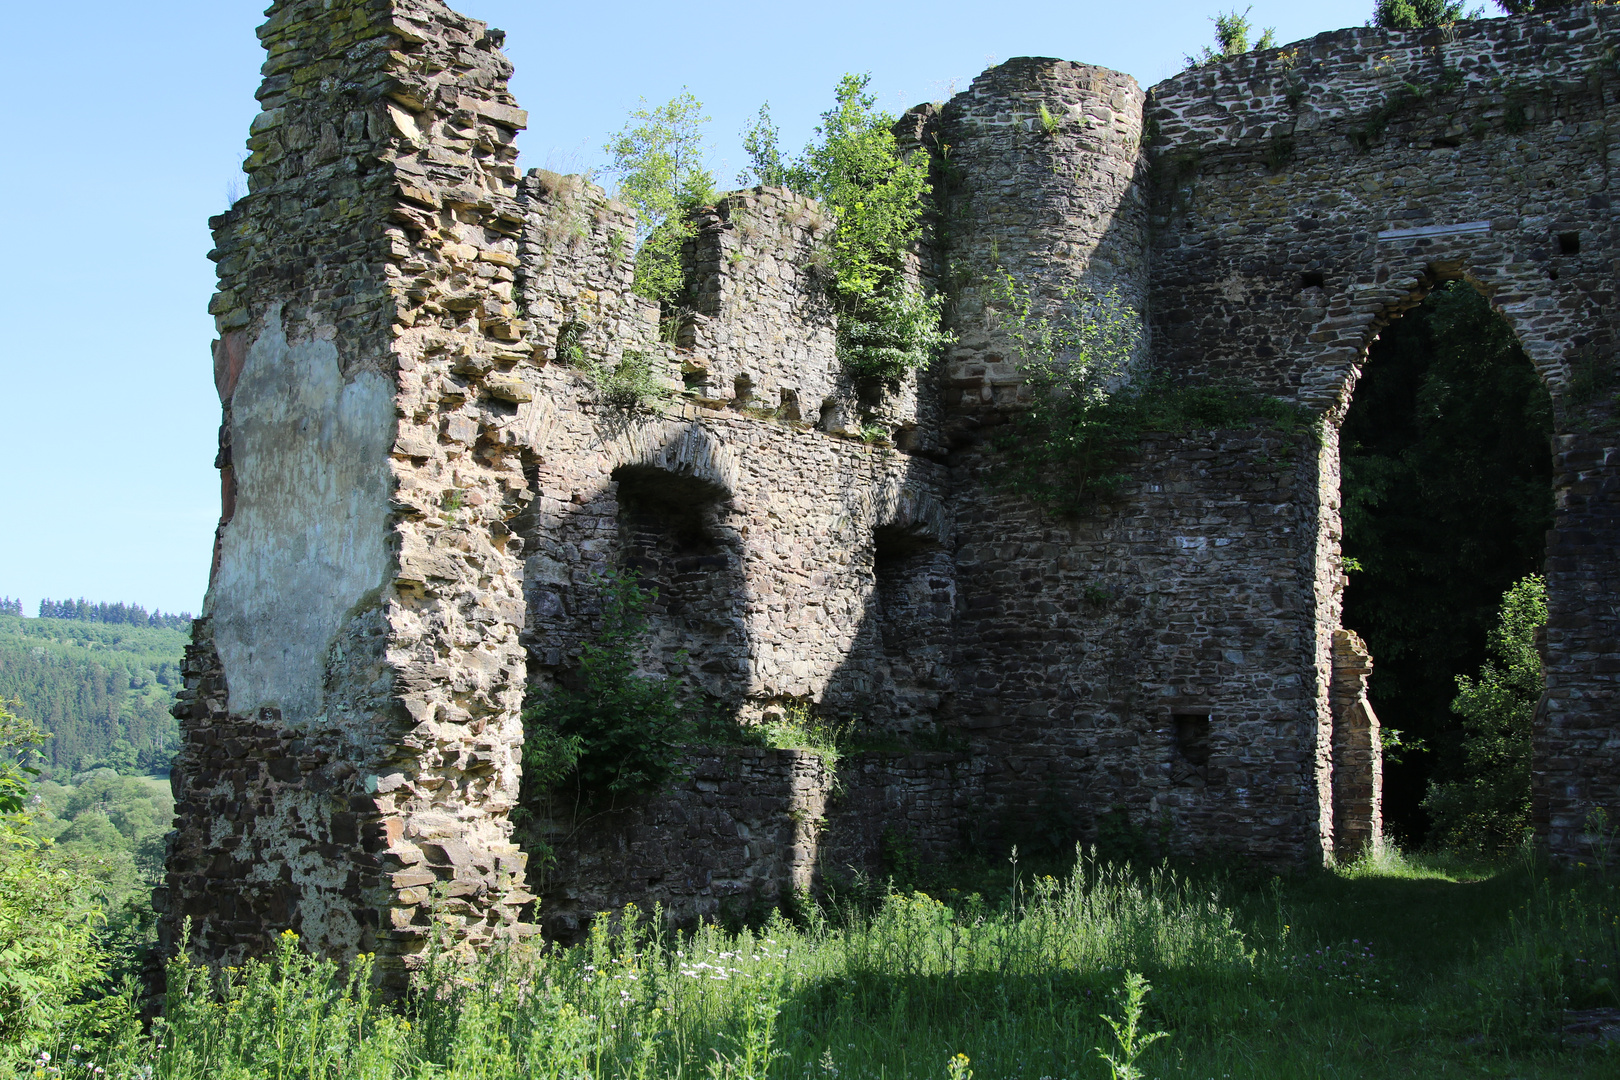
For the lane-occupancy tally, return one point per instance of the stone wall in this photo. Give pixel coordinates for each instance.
(745, 829)
(1304, 196)
(1358, 761)
(424, 477)
(350, 718)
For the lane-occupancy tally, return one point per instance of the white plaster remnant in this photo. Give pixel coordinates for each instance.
(308, 538)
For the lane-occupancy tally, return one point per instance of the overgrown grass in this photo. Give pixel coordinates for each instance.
(1392, 967)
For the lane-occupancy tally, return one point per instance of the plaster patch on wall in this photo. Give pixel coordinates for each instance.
(309, 536)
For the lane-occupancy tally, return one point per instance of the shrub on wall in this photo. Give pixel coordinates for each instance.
(610, 731)
(1089, 400)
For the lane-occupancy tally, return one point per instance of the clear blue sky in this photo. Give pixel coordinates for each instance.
(123, 131)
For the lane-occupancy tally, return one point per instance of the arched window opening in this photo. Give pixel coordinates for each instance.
(1447, 497)
(670, 534)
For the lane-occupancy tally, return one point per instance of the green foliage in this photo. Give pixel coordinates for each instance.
(102, 691)
(1133, 1042)
(1090, 405)
(658, 157)
(632, 384)
(19, 743)
(1231, 39)
(799, 728)
(1447, 487)
(611, 731)
(760, 143)
(1439, 967)
(887, 327)
(1487, 808)
(48, 952)
(889, 333)
(1416, 14)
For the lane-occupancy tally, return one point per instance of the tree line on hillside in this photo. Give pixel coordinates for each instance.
(127, 614)
(111, 711)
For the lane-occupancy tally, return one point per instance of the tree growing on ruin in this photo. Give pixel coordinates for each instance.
(658, 158)
(1232, 39)
(1416, 14)
(887, 324)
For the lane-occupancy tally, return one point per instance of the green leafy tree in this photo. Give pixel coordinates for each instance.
(1416, 14)
(886, 325)
(48, 947)
(612, 730)
(761, 143)
(658, 158)
(1488, 808)
(1232, 39)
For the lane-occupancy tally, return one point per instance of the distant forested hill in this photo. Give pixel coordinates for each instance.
(101, 689)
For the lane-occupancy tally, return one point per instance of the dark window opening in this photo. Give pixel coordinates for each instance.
(696, 381)
(1569, 243)
(659, 510)
(788, 408)
(672, 534)
(1189, 764)
(1313, 279)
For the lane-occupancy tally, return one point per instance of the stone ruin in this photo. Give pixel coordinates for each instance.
(418, 486)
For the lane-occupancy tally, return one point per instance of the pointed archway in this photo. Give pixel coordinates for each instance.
(1446, 482)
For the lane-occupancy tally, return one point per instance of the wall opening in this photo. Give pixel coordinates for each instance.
(672, 535)
(1189, 757)
(1447, 496)
(915, 597)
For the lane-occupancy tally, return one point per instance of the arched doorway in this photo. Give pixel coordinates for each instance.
(1447, 480)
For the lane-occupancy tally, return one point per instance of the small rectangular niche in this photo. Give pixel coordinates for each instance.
(1313, 279)
(1189, 759)
(1569, 243)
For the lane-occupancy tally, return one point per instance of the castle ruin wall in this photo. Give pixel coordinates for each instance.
(424, 479)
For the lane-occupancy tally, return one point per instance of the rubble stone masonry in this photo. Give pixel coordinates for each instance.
(422, 481)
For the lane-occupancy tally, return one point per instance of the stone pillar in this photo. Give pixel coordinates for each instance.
(1358, 761)
(350, 725)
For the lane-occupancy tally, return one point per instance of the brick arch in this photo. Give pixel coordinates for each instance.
(1419, 276)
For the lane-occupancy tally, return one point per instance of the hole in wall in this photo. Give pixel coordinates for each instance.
(914, 600)
(1447, 496)
(671, 532)
(1189, 759)
(1569, 243)
(1313, 279)
(742, 388)
(788, 404)
(570, 344)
